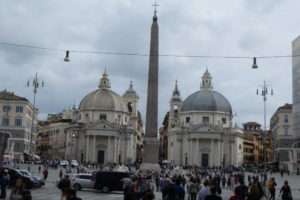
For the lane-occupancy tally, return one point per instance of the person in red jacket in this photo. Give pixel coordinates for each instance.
(237, 192)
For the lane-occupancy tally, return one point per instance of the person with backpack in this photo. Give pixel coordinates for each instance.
(193, 189)
(64, 184)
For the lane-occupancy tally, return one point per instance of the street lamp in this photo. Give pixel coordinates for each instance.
(263, 90)
(35, 83)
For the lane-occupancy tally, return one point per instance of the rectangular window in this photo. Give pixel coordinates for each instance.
(286, 118)
(205, 119)
(187, 119)
(18, 122)
(6, 108)
(5, 122)
(286, 131)
(224, 120)
(102, 116)
(19, 109)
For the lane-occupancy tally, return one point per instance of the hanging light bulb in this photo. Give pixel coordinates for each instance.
(67, 59)
(254, 66)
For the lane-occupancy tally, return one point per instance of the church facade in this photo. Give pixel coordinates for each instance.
(200, 129)
(108, 128)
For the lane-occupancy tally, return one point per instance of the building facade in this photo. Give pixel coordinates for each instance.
(51, 140)
(108, 129)
(19, 119)
(200, 129)
(281, 125)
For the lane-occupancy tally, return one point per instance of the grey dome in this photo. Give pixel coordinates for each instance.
(103, 99)
(206, 100)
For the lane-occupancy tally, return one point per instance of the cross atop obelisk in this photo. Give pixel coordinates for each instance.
(155, 5)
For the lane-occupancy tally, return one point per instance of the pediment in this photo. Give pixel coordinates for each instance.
(205, 128)
(101, 124)
(205, 149)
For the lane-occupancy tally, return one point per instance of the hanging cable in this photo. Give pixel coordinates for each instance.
(144, 55)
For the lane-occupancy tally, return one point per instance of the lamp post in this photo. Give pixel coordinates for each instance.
(35, 83)
(263, 90)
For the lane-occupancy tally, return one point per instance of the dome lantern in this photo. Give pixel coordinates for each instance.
(206, 81)
(104, 81)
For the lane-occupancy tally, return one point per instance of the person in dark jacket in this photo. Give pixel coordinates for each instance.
(3, 183)
(213, 195)
(64, 184)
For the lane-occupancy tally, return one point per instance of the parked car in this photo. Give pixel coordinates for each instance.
(79, 181)
(111, 181)
(64, 163)
(38, 181)
(15, 174)
(74, 163)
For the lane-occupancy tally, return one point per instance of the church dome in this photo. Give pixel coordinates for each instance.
(103, 98)
(206, 100)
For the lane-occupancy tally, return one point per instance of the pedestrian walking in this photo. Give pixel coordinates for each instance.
(60, 175)
(63, 185)
(70, 194)
(237, 192)
(45, 173)
(204, 191)
(213, 195)
(193, 189)
(19, 193)
(39, 169)
(4, 180)
(271, 186)
(285, 192)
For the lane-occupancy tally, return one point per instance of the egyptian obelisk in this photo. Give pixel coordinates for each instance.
(151, 141)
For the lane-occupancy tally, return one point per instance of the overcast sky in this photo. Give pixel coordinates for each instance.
(186, 27)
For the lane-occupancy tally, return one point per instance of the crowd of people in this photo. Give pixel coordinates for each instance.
(205, 184)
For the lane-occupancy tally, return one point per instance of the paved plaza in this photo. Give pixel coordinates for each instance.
(50, 191)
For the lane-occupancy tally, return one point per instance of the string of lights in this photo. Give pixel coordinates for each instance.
(67, 59)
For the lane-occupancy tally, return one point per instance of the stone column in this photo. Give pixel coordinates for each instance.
(211, 153)
(94, 149)
(222, 151)
(219, 152)
(87, 148)
(115, 149)
(109, 148)
(197, 152)
(193, 152)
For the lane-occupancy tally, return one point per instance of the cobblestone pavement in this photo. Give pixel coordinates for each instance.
(50, 191)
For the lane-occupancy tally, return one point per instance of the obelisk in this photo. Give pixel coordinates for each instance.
(151, 141)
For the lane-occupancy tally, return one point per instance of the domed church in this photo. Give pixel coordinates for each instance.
(200, 129)
(109, 128)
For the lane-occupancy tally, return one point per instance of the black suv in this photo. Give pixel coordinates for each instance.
(111, 181)
(14, 175)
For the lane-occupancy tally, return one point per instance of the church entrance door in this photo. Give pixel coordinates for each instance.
(101, 157)
(205, 160)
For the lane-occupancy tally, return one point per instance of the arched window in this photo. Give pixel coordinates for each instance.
(129, 106)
